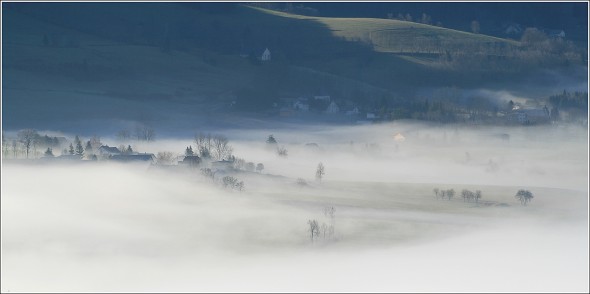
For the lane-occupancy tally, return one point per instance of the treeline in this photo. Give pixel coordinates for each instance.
(576, 100)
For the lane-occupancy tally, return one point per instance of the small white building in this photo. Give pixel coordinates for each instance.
(265, 55)
(333, 108)
(301, 106)
(354, 111)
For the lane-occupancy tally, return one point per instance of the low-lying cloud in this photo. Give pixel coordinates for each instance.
(108, 227)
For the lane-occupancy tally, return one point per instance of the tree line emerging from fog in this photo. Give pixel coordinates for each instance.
(524, 196)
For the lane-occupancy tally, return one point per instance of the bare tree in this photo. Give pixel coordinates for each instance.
(232, 183)
(123, 135)
(524, 196)
(436, 192)
(144, 133)
(477, 195)
(204, 144)
(27, 137)
(320, 172)
(221, 148)
(465, 194)
(450, 194)
(314, 229)
(282, 151)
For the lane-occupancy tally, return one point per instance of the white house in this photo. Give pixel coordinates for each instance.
(332, 108)
(354, 111)
(301, 106)
(265, 55)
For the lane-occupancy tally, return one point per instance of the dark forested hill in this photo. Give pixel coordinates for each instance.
(128, 61)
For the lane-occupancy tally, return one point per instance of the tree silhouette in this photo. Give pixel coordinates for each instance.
(524, 196)
(320, 172)
(48, 152)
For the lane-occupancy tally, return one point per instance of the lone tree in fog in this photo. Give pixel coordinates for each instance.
(524, 196)
(436, 192)
(27, 138)
(259, 167)
(314, 229)
(282, 151)
(271, 140)
(320, 172)
(71, 150)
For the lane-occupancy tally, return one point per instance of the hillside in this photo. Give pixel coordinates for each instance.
(124, 62)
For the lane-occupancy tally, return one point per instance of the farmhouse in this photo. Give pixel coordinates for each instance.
(105, 150)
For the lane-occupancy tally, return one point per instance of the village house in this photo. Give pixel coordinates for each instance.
(301, 104)
(529, 116)
(265, 55)
(332, 108)
(140, 157)
(106, 151)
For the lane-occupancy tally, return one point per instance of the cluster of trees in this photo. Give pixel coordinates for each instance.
(442, 194)
(467, 195)
(213, 146)
(524, 196)
(30, 144)
(242, 164)
(575, 104)
(325, 231)
(141, 132)
(232, 183)
(27, 141)
(227, 182)
(470, 195)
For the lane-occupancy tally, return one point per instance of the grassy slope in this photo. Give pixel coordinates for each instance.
(310, 55)
(366, 29)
